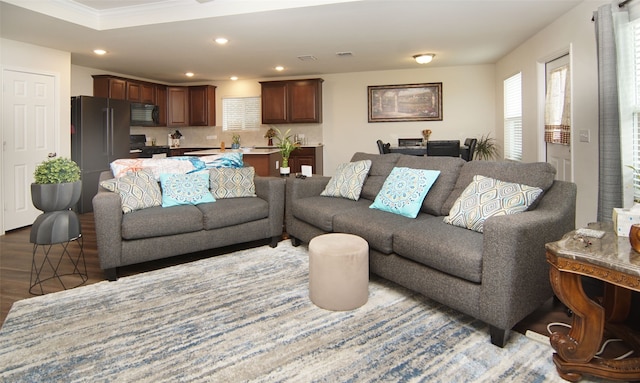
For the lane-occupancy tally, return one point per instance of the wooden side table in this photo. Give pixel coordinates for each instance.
(609, 259)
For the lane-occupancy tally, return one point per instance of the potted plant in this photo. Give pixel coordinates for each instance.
(270, 134)
(286, 146)
(57, 184)
(235, 141)
(486, 148)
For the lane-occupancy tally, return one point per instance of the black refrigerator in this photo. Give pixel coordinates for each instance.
(99, 135)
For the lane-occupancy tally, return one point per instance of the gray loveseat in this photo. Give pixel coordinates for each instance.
(156, 232)
(498, 276)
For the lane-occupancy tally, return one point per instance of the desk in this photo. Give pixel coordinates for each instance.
(609, 259)
(410, 150)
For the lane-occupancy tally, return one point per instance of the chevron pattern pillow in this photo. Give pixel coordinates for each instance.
(138, 190)
(487, 197)
(232, 182)
(348, 180)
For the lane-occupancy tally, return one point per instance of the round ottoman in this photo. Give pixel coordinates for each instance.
(338, 271)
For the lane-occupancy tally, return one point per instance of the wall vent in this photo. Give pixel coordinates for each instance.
(344, 54)
(307, 58)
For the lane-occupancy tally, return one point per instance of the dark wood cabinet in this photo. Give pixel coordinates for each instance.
(161, 101)
(109, 87)
(311, 156)
(178, 106)
(202, 105)
(292, 101)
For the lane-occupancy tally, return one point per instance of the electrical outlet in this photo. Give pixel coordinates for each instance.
(585, 136)
(277, 164)
(213, 137)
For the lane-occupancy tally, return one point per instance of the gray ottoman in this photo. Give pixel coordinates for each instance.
(338, 271)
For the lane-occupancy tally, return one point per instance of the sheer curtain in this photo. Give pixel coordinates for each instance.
(557, 118)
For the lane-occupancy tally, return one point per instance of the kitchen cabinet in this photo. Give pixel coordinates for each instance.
(138, 91)
(311, 156)
(161, 101)
(109, 87)
(202, 105)
(292, 101)
(178, 106)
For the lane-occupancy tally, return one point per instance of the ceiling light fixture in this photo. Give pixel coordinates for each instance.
(221, 40)
(99, 52)
(424, 58)
(233, 78)
(189, 74)
(279, 68)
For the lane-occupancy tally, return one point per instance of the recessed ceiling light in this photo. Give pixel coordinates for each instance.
(233, 78)
(99, 51)
(221, 40)
(279, 68)
(189, 74)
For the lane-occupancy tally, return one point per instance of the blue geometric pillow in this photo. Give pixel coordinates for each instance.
(348, 180)
(185, 189)
(404, 190)
(487, 197)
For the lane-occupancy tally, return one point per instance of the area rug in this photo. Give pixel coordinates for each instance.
(246, 317)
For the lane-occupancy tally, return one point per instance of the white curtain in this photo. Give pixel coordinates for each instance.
(557, 119)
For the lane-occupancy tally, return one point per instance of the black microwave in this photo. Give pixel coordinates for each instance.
(144, 114)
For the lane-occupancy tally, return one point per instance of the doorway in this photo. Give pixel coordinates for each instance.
(558, 117)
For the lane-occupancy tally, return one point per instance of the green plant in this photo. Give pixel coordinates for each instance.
(486, 148)
(235, 139)
(56, 171)
(285, 145)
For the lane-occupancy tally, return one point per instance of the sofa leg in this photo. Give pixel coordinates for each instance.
(274, 241)
(498, 336)
(111, 275)
(295, 242)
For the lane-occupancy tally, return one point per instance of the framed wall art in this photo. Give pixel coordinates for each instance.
(410, 102)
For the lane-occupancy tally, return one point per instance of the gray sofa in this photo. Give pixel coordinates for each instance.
(157, 232)
(498, 276)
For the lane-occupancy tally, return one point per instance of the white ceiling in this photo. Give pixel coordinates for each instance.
(162, 39)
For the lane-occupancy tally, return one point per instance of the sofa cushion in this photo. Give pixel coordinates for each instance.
(233, 211)
(433, 243)
(487, 197)
(185, 189)
(449, 168)
(375, 226)
(348, 180)
(159, 221)
(404, 190)
(138, 190)
(319, 211)
(381, 166)
(537, 174)
(232, 182)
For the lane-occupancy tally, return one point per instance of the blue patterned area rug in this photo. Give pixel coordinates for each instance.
(246, 317)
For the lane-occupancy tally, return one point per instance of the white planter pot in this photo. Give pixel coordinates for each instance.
(285, 171)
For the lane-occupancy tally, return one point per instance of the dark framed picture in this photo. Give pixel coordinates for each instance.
(410, 102)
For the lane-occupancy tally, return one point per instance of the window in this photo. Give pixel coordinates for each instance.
(240, 113)
(513, 117)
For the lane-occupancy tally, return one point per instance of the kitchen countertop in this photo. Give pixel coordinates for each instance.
(246, 151)
(205, 147)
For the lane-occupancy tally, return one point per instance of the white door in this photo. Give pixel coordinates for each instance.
(29, 135)
(559, 155)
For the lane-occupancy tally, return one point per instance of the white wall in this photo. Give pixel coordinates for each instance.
(20, 56)
(574, 33)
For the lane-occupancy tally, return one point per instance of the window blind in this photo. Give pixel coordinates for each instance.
(513, 117)
(240, 113)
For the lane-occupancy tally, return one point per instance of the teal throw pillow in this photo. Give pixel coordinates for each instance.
(232, 182)
(487, 197)
(404, 190)
(138, 190)
(185, 189)
(348, 180)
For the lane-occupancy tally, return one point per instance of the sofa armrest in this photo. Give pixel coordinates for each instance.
(107, 214)
(302, 188)
(515, 276)
(272, 189)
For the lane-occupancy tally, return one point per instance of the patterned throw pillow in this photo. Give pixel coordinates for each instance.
(404, 190)
(138, 190)
(185, 189)
(232, 182)
(487, 197)
(348, 180)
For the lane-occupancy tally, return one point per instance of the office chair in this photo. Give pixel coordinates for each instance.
(468, 149)
(382, 147)
(446, 148)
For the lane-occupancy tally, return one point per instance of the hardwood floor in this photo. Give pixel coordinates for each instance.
(16, 258)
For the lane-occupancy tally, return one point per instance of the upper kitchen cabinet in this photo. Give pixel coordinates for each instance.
(292, 101)
(143, 92)
(202, 105)
(161, 101)
(178, 106)
(109, 87)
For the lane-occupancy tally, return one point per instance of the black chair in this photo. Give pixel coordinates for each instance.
(383, 148)
(443, 148)
(467, 150)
